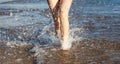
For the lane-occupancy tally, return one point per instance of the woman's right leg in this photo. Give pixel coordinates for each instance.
(52, 3)
(54, 7)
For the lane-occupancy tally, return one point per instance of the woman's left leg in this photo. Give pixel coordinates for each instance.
(64, 23)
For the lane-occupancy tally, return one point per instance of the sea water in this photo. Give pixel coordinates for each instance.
(25, 22)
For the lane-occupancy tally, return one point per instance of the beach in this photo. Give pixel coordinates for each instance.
(27, 34)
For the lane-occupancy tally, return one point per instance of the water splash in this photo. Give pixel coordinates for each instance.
(23, 25)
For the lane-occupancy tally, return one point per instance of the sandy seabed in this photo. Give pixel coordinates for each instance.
(83, 52)
(16, 55)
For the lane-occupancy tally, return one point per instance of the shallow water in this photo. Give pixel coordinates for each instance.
(26, 28)
(87, 52)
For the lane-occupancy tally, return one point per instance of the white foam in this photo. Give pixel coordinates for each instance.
(66, 45)
(75, 37)
(16, 43)
(39, 53)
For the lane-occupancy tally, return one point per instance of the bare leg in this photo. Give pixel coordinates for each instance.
(60, 11)
(54, 7)
(64, 23)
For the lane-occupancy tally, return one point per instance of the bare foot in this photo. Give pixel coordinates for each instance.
(65, 45)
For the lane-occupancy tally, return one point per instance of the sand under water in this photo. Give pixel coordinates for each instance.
(83, 52)
(27, 35)
(16, 55)
(87, 52)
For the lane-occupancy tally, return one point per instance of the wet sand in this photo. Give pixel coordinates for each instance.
(16, 55)
(87, 52)
(83, 52)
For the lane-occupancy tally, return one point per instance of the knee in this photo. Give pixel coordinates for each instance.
(63, 14)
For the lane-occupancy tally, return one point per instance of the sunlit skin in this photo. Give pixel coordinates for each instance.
(60, 10)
